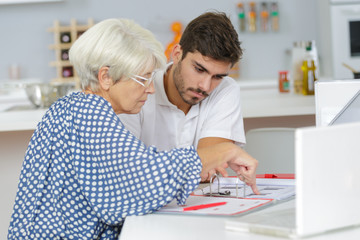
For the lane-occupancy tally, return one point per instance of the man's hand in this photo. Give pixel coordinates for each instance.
(222, 154)
(245, 167)
(208, 142)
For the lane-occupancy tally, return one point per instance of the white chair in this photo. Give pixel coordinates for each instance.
(273, 148)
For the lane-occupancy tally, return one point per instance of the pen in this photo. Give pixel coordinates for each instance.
(202, 206)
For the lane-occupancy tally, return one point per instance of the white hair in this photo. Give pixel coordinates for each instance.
(120, 44)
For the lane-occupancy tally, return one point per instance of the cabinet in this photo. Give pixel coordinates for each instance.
(64, 37)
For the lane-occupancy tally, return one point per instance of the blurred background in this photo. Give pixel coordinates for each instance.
(30, 51)
(25, 38)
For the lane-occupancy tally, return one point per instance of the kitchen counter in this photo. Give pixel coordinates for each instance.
(20, 120)
(260, 99)
(263, 99)
(17, 113)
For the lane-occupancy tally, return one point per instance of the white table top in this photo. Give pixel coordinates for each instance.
(185, 227)
(259, 99)
(17, 113)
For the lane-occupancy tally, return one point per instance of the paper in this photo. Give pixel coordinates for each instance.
(269, 188)
(278, 220)
(233, 206)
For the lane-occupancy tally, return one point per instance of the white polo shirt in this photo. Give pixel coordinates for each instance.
(162, 124)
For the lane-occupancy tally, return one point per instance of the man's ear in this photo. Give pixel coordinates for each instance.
(105, 80)
(176, 53)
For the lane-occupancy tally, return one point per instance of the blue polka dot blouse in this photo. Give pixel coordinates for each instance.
(83, 173)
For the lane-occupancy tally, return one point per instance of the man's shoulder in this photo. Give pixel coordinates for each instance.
(229, 81)
(227, 86)
(228, 91)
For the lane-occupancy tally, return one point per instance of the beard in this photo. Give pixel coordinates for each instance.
(180, 86)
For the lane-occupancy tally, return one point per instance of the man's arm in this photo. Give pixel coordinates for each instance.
(244, 172)
(210, 141)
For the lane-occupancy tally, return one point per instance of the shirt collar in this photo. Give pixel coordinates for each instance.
(163, 100)
(160, 93)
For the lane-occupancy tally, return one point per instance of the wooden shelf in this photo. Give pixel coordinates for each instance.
(64, 37)
(60, 64)
(60, 46)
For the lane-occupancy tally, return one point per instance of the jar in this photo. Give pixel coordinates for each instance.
(284, 83)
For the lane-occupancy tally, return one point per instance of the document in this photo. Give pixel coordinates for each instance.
(230, 196)
(270, 188)
(204, 205)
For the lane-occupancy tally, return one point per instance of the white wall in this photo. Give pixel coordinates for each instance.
(25, 40)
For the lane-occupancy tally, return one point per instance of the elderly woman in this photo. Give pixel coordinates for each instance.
(83, 172)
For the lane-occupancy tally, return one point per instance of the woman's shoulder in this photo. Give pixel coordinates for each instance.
(82, 99)
(80, 103)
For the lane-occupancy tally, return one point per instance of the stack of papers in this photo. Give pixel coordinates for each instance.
(270, 188)
(204, 205)
(227, 197)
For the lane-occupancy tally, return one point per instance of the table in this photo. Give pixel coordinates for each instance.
(185, 227)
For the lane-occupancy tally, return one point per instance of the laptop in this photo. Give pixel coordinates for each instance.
(350, 113)
(331, 97)
(327, 187)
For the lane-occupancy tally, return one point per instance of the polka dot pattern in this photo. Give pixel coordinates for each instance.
(83, 173)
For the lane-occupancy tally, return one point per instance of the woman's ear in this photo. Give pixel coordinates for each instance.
(176, 53)
(105, 81)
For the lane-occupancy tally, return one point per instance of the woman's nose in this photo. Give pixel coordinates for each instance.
(151, 88)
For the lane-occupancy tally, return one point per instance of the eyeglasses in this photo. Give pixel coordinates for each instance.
(145, 82)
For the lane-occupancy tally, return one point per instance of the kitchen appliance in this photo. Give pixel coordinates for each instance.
(345, 26)
(44, 94)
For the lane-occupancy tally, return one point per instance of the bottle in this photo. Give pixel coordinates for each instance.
(14, 71)
(241, 16)
(235, 71)
(65, 37)
(252, 17)
(297, 58)
(309, 73)
(284, 84)
(274, 17)
(65, 54)
(67, 72)
(314, 54)
(264, 17)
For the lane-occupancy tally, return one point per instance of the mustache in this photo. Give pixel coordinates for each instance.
(198, 90)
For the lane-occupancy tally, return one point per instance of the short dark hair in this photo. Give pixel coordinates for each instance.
(213, 35)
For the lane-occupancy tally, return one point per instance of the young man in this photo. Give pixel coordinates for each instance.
(195, 103)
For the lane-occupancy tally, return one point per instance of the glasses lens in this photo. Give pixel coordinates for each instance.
(150, 79)
(144, 81)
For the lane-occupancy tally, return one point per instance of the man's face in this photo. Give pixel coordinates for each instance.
(196, 76)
